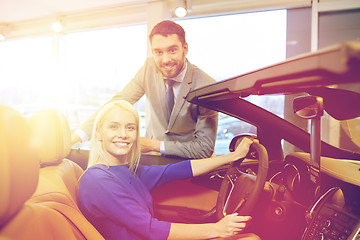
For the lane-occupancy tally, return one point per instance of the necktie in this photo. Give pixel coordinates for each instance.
(169, 97)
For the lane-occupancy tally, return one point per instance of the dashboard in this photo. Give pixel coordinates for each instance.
(334, 205)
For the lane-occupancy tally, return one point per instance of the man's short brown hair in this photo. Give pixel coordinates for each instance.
(166, 28)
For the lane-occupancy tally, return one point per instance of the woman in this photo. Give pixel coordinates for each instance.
(114, 190)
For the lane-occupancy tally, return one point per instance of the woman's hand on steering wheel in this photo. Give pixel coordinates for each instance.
(243, 148)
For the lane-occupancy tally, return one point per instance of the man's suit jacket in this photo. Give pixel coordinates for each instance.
(191, 131)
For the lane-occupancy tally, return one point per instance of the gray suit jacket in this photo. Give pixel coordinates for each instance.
(191, 131)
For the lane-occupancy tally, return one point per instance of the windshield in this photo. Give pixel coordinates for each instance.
(343, 134)
(348, 134)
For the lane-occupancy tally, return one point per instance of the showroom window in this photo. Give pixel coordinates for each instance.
(78, 72)
(231, 45)
(75, 73)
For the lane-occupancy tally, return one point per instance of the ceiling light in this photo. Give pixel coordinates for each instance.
(57, 26)
(182, 8)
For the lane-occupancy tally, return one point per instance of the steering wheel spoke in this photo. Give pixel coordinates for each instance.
(240, 191)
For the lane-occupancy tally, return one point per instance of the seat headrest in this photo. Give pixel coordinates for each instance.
(19, 164)
(52, 134)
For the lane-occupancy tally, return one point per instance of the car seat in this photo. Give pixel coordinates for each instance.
(39, 203)
(19, 164)
(53, 139)
(59, 177)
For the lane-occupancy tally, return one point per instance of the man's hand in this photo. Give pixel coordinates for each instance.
(75, 139)
(149, 145)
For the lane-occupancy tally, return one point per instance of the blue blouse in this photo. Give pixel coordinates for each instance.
(118, 203)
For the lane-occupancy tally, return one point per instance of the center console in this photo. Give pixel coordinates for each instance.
(328, 220)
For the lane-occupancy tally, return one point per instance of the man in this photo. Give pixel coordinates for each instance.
(174, 126)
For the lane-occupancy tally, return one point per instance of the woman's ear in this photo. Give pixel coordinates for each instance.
(98, 135)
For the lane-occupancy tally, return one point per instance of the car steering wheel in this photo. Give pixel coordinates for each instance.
(239, 191)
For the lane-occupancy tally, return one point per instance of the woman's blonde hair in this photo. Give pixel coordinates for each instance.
(96, 150)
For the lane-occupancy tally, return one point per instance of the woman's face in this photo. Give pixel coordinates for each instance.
(118, 134)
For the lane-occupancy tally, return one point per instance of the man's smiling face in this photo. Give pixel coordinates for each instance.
(169, 54)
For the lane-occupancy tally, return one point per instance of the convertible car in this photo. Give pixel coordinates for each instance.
(300, 180)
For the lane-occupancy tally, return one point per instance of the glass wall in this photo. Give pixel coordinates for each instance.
(78, 72)
(231, 45)
(100, 63)
(27, 69)
(75, 73)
